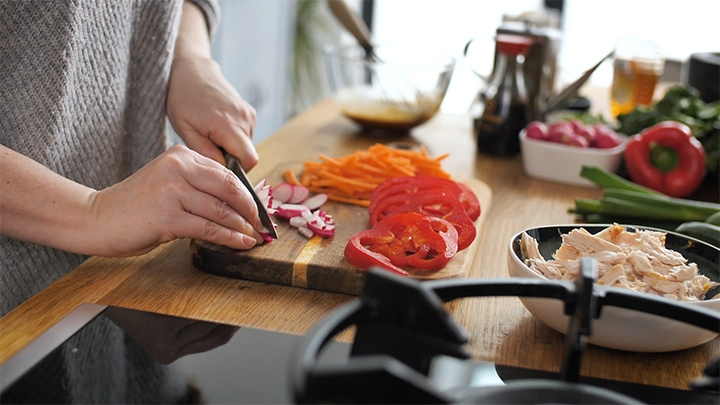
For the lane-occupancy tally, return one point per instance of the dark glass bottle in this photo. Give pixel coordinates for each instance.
(505, 112)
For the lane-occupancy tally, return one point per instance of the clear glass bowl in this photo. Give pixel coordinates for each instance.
(400, 90)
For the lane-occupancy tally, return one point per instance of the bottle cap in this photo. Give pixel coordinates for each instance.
(513, 44)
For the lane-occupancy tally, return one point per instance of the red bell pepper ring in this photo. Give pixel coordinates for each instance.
(687, 168)
(414, 184)
(431, 203)
(402, 240)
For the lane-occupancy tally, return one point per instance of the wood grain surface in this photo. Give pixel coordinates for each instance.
(501, 330)
(318, 263)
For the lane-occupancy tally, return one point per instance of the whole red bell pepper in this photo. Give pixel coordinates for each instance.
(407, 239)
(666, 158)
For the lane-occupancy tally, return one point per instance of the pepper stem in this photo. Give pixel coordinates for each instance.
(663, 158)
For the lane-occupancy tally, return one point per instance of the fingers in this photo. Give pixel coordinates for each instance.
(180, 194)
(239, 234)
(233, 132)
(205, 147)
(210, 202)
(225, 200)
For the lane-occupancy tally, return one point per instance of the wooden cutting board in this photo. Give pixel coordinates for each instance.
(318, 263)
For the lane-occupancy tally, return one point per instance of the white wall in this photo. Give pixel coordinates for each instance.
(254, 47)
(590, 30)
(446, 26)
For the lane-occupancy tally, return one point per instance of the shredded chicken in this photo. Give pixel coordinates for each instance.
(635, 260)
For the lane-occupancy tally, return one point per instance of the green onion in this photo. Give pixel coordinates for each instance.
(651, 206)
(623, 201)
(605, 179)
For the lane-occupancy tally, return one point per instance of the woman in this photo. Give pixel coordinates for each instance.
(86, 88)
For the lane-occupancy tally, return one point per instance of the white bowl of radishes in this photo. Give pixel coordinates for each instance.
(557, 151)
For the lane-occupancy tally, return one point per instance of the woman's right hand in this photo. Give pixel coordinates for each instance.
(180, 194)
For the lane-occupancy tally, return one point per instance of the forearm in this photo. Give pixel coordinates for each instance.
(204, 108)
(38, 205)
(193, 39)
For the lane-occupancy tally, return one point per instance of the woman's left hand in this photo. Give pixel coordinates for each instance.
(203, 107)
(208, 113)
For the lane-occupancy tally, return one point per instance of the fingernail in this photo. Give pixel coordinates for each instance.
(249, 240)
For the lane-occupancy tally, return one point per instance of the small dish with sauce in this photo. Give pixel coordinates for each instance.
(400, 90)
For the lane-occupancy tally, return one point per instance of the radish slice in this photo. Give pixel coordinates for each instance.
(299, 194)
(294, 203)
(324, 231)
(261, 184)
(288, 211)
(264, 195)
(297, 222)
(282, 192)
(307, 232)
(266, 237)
(308, 215)
(316, 201)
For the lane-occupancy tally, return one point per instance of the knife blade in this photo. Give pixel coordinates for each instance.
(234, 165)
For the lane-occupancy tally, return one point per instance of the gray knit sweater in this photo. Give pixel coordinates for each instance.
(82, 91)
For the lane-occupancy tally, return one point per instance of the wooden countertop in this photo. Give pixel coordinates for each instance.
(501, 329)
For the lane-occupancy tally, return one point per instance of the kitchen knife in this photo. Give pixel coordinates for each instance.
(234, 165)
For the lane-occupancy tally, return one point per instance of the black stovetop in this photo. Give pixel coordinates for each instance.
(396, 357)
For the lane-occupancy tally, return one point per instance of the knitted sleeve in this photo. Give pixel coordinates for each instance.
(211, 9)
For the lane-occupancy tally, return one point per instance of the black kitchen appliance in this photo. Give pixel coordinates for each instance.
(407, 349)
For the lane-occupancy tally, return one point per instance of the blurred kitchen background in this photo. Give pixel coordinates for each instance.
(270, 50)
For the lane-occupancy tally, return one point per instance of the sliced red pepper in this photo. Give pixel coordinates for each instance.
(686, 170)
(432, 203)
(408, 239)
(414, 184)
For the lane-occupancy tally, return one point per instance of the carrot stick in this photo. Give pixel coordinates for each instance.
(290, 177)
(352, 178)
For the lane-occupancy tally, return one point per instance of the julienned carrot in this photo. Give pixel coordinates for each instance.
(290, 177)
(352, 178)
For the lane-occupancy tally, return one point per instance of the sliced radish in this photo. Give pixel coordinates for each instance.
(297, 222)
(307, 232)
(264, 195)
(267, 238)
(308, 215)
(288, 211)
(322, 230)
(299, 194)
(316, 201)
(282, 192)
(260, 185)
(294, 203)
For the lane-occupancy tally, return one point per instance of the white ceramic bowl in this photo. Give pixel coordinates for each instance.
(619, 328)
(562, 163)
(400, 91)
